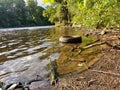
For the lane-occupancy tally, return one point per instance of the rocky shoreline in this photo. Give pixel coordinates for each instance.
(103, 75)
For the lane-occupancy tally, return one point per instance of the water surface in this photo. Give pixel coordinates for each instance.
(25, 54)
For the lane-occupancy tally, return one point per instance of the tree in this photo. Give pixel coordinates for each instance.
(57, 12)
(14, 13)
(86, 13)
(97, 13)
(35, 14)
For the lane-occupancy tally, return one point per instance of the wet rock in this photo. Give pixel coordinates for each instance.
(19, 89)
(42, 85)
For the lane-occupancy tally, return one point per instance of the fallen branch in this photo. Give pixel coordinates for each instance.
(108, 73)
(91, 45)
(99, 43)
(94, 44)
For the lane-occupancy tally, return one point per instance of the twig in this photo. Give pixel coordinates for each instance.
(91, 82)
(98, 43)
(104, 72)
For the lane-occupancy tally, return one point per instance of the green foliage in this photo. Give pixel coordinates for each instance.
(57, 12)
(87, 13)
(97, 13)
(46, 1)
(14, 13)
(35, 13)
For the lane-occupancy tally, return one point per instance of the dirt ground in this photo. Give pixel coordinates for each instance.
(103, 75)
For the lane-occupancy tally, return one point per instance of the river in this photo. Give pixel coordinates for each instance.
(25, 53)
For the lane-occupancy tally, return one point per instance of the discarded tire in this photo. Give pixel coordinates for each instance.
(70, 39)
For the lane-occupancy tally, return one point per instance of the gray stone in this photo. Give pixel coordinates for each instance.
(40, 85)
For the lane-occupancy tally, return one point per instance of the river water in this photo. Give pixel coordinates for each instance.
(26, 52)
(20, 52)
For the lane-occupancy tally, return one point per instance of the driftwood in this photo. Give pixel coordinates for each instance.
(99, 43)
(12, 87)
(94, 44)
(91, 45)
(108, 73)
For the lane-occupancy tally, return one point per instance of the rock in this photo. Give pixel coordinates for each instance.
(81, 64)
(86, 35)
(26, 89)
(42, 85)
(103, 32)
(19, 89)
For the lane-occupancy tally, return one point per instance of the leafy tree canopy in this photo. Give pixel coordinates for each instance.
(86, 13)
(14, 13)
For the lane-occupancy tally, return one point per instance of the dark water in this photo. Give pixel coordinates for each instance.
(27, 53)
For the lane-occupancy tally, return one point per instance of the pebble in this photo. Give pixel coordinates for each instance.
(103, 32)
(80, 65)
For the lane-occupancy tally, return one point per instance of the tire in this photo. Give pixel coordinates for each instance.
(70, 39)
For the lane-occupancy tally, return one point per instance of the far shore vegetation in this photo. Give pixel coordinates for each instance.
(83, 13)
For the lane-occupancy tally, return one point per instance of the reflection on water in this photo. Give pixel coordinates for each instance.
(20, 53)
(14, 44)
(20, 43)
(32, 50)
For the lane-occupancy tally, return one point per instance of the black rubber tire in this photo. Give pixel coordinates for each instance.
(70, 39)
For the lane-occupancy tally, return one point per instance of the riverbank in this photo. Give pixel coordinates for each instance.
(103, 75)
(27, 28)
